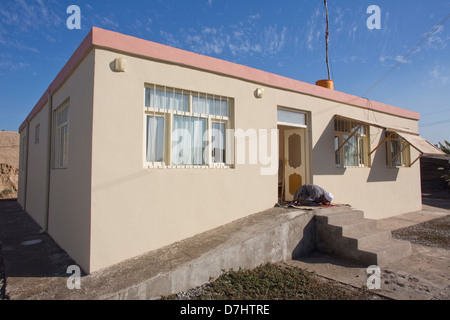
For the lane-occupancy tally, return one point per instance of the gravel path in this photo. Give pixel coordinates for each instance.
(433, 233)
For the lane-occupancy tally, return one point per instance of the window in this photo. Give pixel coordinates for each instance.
(291, 118)
(185, 128)
(351, 143)
(36, 134)
(61, 136)
(397, 151)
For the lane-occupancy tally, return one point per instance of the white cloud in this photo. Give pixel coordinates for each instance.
(12, 66)
(391, 60)
(437, 40)
(439, 75)
(23, 16)
(244, 38)
(313, 32)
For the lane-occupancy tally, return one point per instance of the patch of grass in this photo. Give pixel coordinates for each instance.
(273, 282)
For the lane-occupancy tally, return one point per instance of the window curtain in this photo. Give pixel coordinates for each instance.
(155, 138)
(350, 151)
(396, 147)
(188, 143)
(198, 130)
(218, 135)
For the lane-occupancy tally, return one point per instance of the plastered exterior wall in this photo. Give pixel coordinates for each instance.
(37, 178)
(70, 188)
(135, 210)
(22, 167)
(379, 190)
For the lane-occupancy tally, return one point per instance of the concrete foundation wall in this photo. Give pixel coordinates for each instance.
(266, 238)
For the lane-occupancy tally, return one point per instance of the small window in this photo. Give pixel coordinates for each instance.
(397, 151)
(291, 118)
(36, 134)
(351, 143)
(61, 137)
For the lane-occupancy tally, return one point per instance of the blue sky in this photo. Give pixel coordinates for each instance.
(284, 37)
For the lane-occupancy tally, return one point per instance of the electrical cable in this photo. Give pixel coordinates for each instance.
(402, 59)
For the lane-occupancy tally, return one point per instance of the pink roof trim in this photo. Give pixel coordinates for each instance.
(120, 42)
(65, 72)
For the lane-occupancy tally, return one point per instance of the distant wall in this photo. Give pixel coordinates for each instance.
(9, 148)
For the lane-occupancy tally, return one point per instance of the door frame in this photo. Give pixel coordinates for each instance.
(282, 126)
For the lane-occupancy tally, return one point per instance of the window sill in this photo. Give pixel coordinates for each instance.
(163, 166)
(346, 167)
(397, 167)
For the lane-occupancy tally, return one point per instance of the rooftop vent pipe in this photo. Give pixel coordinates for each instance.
(327, 83)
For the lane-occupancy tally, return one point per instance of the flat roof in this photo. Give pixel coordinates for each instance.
(111, 40)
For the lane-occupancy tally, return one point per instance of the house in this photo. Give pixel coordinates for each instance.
(136, 145)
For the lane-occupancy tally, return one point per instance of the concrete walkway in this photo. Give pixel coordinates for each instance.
(36, 267)
(424, 275)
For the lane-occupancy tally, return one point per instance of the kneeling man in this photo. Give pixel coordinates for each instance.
(312, 195)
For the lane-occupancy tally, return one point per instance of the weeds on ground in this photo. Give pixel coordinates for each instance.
(273, 282)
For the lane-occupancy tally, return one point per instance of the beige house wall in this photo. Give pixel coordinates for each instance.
(37, 178)
(136, 209)
(379, 190)
(70, 188)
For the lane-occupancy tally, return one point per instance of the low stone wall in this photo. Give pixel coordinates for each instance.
(286, 236)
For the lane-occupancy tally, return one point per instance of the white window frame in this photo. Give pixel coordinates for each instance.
(169, 114)
(58, 127)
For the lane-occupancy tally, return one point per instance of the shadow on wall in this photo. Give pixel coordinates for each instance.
(324, 155)
(324, 159)
(307, 242)
(379, 172)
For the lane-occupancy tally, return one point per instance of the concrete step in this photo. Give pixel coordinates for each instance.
(340, 215)
(346, 233)
(382, 253)
(355, 224)
(366, 237)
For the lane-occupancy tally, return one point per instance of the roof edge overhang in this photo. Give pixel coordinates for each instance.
(62, 76)
(131, 45)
